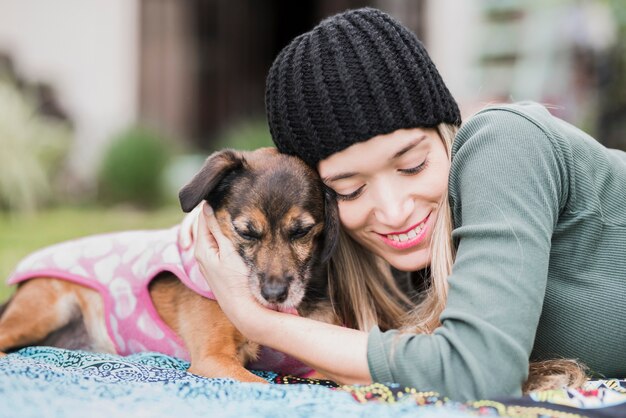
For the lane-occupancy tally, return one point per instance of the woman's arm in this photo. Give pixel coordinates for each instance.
(338, 353)
(507, 187)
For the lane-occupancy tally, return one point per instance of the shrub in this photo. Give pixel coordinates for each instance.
(32, 149)
(246, 135)
(132, 169)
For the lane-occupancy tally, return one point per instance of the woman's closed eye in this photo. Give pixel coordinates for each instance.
(356, 193)
(350, 196)
(414, 170)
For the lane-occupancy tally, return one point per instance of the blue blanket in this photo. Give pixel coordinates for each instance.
(49, 382)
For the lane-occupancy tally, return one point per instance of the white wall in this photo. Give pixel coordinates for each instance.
(542, 39)
(451, 38)
(88, 51)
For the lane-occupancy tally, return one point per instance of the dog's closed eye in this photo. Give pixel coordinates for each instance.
(300, 231)
(248, 232)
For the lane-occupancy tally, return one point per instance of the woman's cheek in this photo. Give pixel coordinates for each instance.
(350, 215)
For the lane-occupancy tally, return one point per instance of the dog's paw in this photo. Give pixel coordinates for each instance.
(237, 373)
(317, 376)
(253, 378)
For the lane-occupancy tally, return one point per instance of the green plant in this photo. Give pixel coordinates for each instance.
(247, 135)
(32, 148)
(132, 169)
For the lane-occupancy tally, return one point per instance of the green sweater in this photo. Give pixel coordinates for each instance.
(540, 226)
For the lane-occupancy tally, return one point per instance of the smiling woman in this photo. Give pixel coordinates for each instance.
(508, 225)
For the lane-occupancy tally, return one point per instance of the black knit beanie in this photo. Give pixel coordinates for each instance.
(354, 76)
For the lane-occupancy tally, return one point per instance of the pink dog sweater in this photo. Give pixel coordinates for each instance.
(121, 266)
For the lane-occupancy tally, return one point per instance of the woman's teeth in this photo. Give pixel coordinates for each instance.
(409, 235)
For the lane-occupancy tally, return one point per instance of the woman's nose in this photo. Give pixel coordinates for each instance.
(393, 206)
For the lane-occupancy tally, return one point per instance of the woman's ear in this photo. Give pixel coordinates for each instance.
(216, 167)
(331, 224)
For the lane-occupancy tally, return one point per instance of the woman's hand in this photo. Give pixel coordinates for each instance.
(188, 227)
(224, 270)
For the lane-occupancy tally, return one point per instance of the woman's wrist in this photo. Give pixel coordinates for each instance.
(248, 316)
(336, 352)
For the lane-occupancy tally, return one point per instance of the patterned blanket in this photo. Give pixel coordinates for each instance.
(49, 382)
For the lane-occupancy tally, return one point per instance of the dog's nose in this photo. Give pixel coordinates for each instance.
(275, 291)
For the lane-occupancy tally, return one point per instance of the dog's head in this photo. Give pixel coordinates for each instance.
(277, 213)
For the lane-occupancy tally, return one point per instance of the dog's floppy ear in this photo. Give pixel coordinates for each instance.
(216, 167)
(331, 224)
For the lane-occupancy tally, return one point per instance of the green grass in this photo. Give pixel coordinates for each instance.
(22, 234)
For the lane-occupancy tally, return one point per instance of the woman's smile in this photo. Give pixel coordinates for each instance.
(409, 238)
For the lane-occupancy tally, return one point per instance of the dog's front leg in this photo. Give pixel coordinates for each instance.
(221, 351)
(215, 346)
(224, 366)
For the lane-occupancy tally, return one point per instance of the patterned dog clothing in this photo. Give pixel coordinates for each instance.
(120, 266)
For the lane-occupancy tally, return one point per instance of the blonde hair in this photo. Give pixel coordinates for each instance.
(362, 289)
(424, 317)
(364, 292)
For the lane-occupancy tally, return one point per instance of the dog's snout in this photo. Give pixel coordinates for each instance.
(275, 290)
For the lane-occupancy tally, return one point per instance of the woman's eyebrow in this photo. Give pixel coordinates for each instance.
(409, 147)
(338, 177)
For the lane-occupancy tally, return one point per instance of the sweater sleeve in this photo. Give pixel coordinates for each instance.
(507, 186)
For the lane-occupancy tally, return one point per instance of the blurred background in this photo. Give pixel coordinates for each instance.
(107, 107)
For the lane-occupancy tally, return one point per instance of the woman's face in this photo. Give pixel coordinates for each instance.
(389, 189)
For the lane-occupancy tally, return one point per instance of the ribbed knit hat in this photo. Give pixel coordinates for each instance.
(354, 76)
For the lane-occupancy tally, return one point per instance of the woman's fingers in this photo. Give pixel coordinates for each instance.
(206, 245)
(212, 234)
(223, 244)
(188, 228)
(218, 261)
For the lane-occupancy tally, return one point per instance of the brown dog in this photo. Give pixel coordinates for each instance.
(271, 207)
